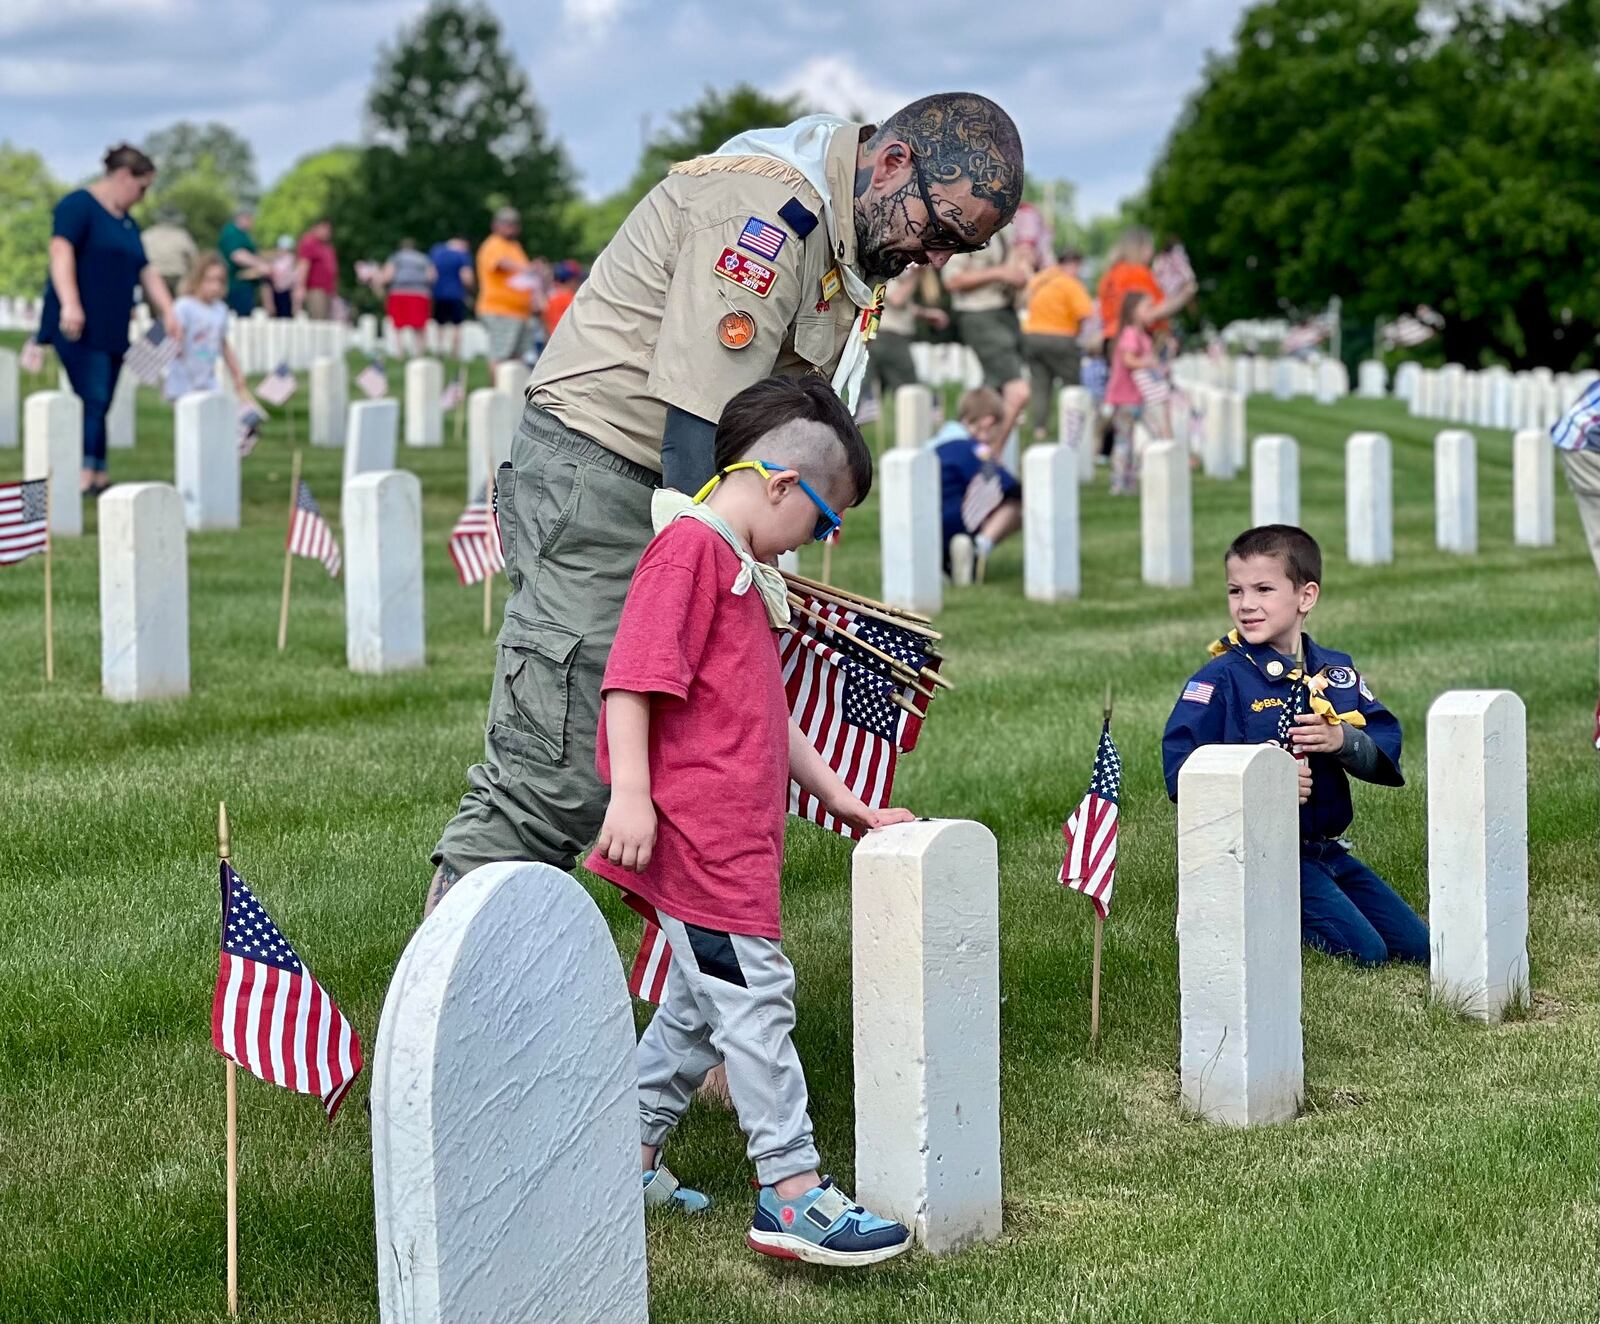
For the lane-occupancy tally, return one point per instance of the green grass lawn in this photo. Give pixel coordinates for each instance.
(1441, 1170)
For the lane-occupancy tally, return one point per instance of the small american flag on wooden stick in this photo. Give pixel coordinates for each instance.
(1090, 865)
(475, 541)
(309, 534)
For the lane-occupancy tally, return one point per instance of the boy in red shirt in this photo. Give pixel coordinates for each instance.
(698, 748)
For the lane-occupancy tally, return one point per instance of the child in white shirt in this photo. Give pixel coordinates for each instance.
(203, 313)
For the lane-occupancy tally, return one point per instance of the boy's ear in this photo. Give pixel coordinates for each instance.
(780, 484)
(1310, 591)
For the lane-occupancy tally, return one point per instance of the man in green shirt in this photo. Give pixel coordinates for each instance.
(239, 252)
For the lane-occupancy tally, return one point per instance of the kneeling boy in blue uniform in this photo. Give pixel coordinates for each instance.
(1269, 682)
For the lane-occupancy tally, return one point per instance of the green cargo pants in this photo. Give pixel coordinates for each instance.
(574, 519)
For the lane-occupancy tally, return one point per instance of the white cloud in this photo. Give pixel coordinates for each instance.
(593, 18)
(835, 83)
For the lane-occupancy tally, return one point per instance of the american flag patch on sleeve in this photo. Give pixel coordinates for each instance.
(759, 237)
(1197, 691)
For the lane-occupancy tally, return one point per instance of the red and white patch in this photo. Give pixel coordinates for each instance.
(787, 1215)
(744, 271)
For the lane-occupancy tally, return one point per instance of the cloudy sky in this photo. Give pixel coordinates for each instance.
(1093, 85)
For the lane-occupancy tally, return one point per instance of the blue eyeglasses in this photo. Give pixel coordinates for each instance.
(827, 520)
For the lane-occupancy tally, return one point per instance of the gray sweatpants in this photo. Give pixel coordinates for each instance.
(729, 997)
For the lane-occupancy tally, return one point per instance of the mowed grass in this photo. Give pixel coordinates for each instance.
(1441, 1170)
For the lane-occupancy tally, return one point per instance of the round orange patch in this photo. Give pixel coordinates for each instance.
(736, 329)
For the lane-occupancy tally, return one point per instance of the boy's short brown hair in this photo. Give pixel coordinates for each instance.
(980, 402)
(1293, 547)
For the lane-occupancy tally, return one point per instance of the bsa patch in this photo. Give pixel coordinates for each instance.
(746, 272)
(1341, 678)
(736, 329)
(762, 239)
(832, 283)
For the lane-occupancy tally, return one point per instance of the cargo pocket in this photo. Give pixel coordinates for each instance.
(533, 678)
(815, 339)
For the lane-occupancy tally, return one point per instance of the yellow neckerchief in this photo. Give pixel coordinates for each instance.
(667, 505)
(1315, 685)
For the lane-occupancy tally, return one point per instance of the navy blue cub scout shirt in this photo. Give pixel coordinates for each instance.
(1234, 700)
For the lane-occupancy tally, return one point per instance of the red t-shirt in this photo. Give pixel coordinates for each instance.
(322, 265)
(719, 735)
(558, 303)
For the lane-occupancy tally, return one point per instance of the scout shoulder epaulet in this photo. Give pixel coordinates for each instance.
(768, 167)
(1228, 641)
(798, 217)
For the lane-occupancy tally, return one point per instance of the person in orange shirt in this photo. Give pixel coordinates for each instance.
(1129, 270)
(1057, 307)
(506, 289)
(565, 279)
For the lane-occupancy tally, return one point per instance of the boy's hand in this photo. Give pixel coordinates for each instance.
(862, 819)
(628, 836)
(1313, 735)
(1303, 770)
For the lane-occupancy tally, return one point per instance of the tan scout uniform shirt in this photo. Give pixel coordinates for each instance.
(642, 332)
(985, 298)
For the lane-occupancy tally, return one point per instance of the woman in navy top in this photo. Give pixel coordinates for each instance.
(96, 260)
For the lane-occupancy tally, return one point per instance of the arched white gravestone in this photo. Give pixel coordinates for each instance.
(330, 397)
(909, 529)
(1533, 489)
(1166, 520)
(491, 423)
(1240, 1056)
(512, 376)
(10, 399)
(925, 947)
(1076, 419)
(144, 593)
(505, 1113)
(122, 419)
(1275, 480)
(1369, 499)
(1050, 523)
(52, 447)
(1455, 491)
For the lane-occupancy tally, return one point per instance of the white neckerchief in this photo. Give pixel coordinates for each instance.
(667, 505)
(804, 145)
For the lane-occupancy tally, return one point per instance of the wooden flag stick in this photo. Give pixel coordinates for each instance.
(1108, 703)
(899, 668)
(233, 1124)
(1094, 984)
(488, 501)
(49, 604)
(288, 555)
(893, 613)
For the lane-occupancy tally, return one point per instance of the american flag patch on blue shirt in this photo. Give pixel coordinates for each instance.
(759, 237)
(1197, 691)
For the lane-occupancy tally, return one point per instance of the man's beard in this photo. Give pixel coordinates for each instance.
(875, 259)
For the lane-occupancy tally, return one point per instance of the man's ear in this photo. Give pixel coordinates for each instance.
(891, 165)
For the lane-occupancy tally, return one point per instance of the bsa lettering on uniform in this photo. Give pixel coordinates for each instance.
(746, 272)
(1261, 705)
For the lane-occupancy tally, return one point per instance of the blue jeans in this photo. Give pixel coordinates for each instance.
(93, 374)
(1347, 910)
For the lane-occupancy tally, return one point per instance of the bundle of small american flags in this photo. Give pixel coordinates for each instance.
(475, 541)
(1090, 865)
(309, 534)
(268, 1015)
(859, 676)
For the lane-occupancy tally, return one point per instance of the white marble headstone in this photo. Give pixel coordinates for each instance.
(1455, 491)
(925, 944)
(1533, 489)
(10, 400)
(52, 445)
(1275, 480)
(909, 529)
(1369, 499)
(505, 1113)
(1478, 850)
(206, 459)
(383, 572)
(144, 593)
(1240, 1048)
(424, 415)
(369, 437)
(913, 416)
(1050, 523)
(491, 422)
(330, 398)
(1166, 519)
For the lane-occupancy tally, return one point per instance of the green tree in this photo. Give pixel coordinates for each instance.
(693, 131)
(186, 146)
(30, 195)
(201, 199)
(1354, 150)
(453, 132)
(308, 191)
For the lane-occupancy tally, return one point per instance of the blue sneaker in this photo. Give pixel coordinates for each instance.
(663, 1190)
(823, 1226)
